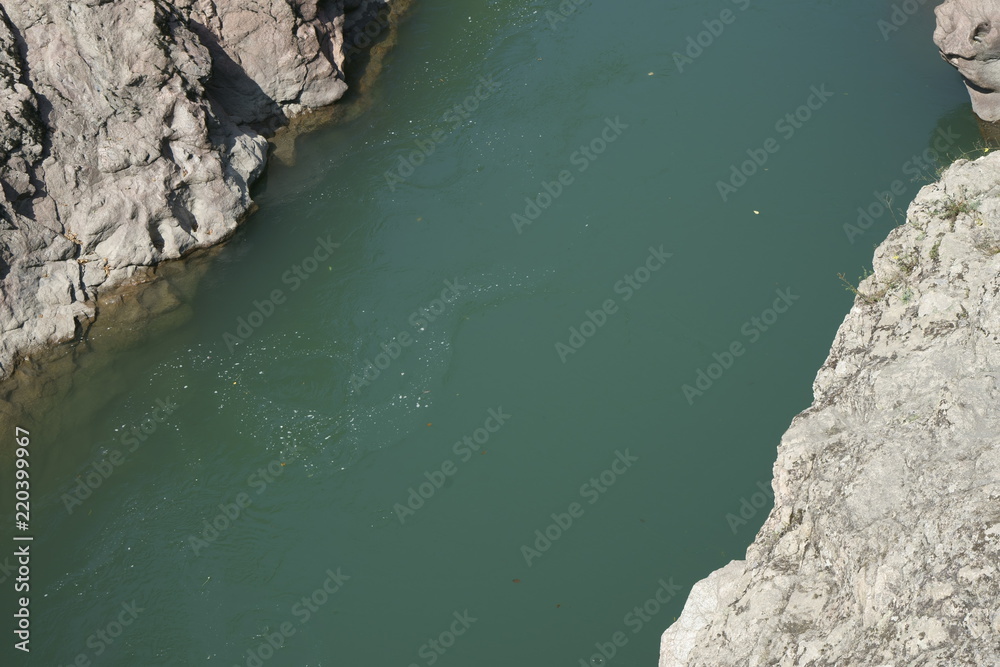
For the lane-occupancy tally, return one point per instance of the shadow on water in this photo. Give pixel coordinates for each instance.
(156, 308)
(990, 132)
(371, 33)
(961, 134)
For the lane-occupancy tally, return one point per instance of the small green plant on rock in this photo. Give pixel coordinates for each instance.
(850, 287)
(906, 263)
(953, 207)
(886, 287)
(988, 248)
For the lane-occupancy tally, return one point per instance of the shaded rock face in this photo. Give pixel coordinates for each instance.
(968, 36)
(883, 548)
(263, 69)
(131, 131)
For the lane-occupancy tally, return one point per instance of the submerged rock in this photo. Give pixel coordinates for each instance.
(131, 131)
(883, 547)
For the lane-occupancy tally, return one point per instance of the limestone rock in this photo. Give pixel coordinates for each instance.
(968, 36)
(883, 548)
(131, 131)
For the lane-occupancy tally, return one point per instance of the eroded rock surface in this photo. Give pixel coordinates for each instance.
(968, 36)
(131, 131)
(883, 548)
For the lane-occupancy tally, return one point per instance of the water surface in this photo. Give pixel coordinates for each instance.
(475, 405)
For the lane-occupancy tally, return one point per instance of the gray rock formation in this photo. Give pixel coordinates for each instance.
(131, 131)
(883, 548)
(968, 36)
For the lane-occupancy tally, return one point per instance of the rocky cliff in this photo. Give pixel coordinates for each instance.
(131, 131)
(883, 548)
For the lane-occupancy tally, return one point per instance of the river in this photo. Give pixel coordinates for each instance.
(499, 369)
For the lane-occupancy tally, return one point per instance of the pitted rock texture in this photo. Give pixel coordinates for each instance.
(883, 548)
(968, 37)
(131, 131)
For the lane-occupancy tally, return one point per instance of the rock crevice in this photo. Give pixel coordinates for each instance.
(131, 131)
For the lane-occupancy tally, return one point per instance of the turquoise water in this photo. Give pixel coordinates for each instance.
(400, 369)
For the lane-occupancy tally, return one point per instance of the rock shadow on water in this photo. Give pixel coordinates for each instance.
(958, 134)
(371, 29)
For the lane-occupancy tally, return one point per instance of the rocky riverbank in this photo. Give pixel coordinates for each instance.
(132, 132)
(883, 547)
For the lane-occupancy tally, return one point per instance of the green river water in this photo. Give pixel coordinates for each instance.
(382, 510)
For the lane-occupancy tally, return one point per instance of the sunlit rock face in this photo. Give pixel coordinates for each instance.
(131, 131)
(883, 547)
(968, 36)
